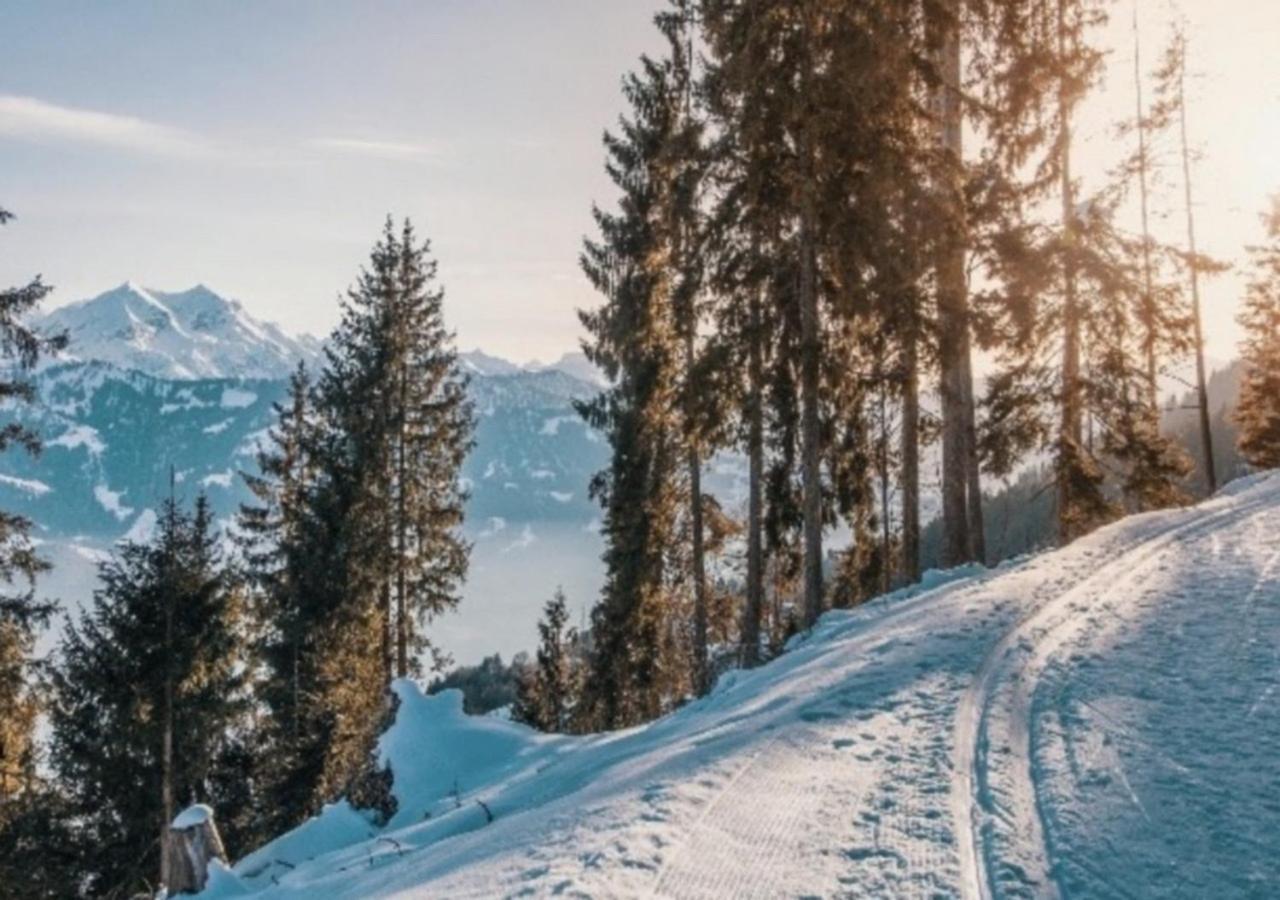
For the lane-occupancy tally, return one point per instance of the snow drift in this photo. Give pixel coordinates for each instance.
(1100, 720)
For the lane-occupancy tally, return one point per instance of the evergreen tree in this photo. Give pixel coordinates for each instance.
(21, 613)
(354, 542)
(281, 545)
(1258, 413)
(149, 695)
(749, 270)
(548, 691)
(1172, 89)
(684, 164)
(395, 397)
(822, 97)
(637, 672)
(961, 493)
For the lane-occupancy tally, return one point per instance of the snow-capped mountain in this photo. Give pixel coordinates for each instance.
(190, 334)
(576, 364)
(110, 436)
(154, 379)
(477, 362)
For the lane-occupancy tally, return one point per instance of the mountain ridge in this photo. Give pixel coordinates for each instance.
(198, 333)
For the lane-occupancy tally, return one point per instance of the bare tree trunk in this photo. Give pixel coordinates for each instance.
(166, 748)
(1149, 339)
(701, 669)
(1202, 387)
(402, 544)
(886, 528)
(755, 492)
(1069, 436)
(810, 364)
(973, 471)
(910, 473)
(388, 636)
(810, 439)
(166, 752)
(955, 378)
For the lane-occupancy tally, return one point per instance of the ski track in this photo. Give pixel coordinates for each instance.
(1003, 850)
(1098, 721)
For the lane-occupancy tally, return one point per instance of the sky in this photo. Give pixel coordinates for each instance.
(257, 147)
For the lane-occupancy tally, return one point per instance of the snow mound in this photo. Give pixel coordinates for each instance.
(191, 817)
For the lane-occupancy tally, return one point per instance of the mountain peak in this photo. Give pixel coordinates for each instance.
(194, 333)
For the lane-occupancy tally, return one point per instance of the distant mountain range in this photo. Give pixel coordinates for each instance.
(197, 333)
(190, 334)
(154, 379)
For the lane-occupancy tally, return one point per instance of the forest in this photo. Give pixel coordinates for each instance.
(848, 239)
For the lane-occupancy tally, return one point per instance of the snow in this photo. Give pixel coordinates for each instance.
(1096, 721)
(236, 398)
(184, 335)
(219, 479)
(337, 827)
(80, 436)
(142, 529)
(254, 442)
(94, 555)
(551, 427)
(192, 816)
(110, 501)
(32, 486)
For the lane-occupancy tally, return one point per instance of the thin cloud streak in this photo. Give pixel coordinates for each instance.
(30, 119)
(388, 150)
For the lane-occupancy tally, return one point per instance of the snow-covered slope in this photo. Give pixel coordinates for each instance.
(190, 334)
(1097, 721)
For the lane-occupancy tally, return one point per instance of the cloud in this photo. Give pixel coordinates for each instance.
(32, 119)
(389, 150)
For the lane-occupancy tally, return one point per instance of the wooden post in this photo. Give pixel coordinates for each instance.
(191, 841)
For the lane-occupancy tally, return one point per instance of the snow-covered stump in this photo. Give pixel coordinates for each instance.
(192, 841)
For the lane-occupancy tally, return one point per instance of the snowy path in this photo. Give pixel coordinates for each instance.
(1099, 721)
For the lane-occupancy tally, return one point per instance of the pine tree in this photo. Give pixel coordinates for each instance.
(21, 613)
(749, 270)
(1258, 413)
(683, 162)
(149, 696)
(1051, 283)
(547, 694)
(961, 494)
(396, 398)
(821, 97)
(634, 339)
(1173, 77)
(354, 542)
(278, 545)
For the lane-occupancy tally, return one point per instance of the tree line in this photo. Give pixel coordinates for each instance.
(825, 211)
(246, 667)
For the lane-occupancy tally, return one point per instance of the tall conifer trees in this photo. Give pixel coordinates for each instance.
(149, 698)
(394, 395)
(21, 613)
(547, 694)
(634, 339)
(355, 541)
(1259, 411)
